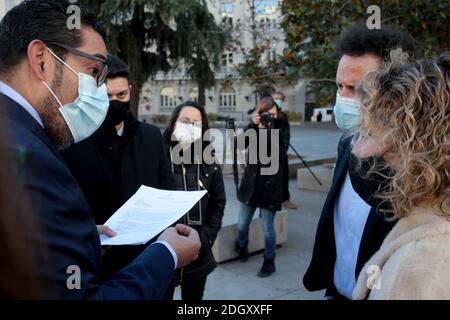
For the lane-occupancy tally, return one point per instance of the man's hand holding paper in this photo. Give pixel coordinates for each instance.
(147, 213)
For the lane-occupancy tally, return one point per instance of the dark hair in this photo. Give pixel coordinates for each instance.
(44, 20)
(265, 90)
(265, 104)
(279, 93)
(176, 113)
(358, 40)
(117, 68)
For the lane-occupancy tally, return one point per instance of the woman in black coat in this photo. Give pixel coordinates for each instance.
(185, 146)
(261, 190)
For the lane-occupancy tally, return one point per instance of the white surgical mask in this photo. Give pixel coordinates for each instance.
(186, 134)
(86, 114)
(347, 112)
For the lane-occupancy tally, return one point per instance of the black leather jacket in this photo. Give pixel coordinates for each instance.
(266, 191)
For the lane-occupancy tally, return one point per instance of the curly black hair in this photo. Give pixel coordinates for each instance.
(358, 40)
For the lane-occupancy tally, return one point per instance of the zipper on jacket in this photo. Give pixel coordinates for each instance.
(200, 201)
(200, 183)
(183, 173)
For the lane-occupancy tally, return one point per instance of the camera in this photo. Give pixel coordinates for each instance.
(267, 120)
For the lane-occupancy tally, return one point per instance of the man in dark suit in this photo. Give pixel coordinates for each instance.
(117, 159)
(350, 231)
(42, 64)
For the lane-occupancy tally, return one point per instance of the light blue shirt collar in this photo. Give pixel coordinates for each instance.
(14, 95)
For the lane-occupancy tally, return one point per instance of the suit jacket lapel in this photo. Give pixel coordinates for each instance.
(326, 223)
(340, 172)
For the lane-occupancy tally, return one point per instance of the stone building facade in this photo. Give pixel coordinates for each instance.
(232, 95)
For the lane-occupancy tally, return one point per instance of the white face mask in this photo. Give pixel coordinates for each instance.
(85, 115)
(186, 134)
(347, 112)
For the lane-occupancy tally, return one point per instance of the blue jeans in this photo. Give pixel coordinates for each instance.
(267, 216)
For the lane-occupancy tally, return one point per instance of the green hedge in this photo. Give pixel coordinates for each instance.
(212, 117)
(294, 116)
(160, 119)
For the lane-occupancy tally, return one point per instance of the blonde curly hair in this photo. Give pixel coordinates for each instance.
(409, 104)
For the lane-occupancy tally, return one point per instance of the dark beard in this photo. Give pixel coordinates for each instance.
(54, 122)
(55, 125)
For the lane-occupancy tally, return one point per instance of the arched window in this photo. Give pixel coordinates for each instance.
(227, 100)
(168, 98)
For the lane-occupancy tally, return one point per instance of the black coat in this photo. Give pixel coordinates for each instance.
(208, 212)
(320, 273)
(266, 191)
(110, 169)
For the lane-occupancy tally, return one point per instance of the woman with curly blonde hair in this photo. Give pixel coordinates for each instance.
(405, 123)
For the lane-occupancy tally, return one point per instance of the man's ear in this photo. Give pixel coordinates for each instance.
(37, 55)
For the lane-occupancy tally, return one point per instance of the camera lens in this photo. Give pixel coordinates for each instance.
(266, 119)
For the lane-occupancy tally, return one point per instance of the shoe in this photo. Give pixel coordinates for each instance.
(288, 204)
(243, 253)
(267, 268)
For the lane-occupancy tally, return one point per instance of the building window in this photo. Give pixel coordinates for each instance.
(266, 12)
(193, 94)
(226, 12)
(168, 98)
(265, 23)
(227, 100)
(272, 54)
(227, 22)
(227, 59)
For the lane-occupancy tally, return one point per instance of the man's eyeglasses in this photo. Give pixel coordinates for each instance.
(100, 75)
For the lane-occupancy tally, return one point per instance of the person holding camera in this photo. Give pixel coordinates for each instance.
(263, 191)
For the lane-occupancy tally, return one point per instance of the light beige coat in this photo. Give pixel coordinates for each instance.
(414, 261)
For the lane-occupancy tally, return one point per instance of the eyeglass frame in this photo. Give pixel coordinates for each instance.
(197, 123)
(102, 75)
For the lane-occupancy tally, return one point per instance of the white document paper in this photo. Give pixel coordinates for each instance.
(147, 213)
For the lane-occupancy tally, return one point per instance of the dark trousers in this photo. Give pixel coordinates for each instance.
(285, 168)
(191, 291)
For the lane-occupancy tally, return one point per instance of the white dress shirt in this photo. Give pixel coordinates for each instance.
(14, 95)
(350, 216)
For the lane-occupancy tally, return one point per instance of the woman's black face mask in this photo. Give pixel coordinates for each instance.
(369, 184)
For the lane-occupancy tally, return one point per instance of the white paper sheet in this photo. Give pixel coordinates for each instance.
(147, 213)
